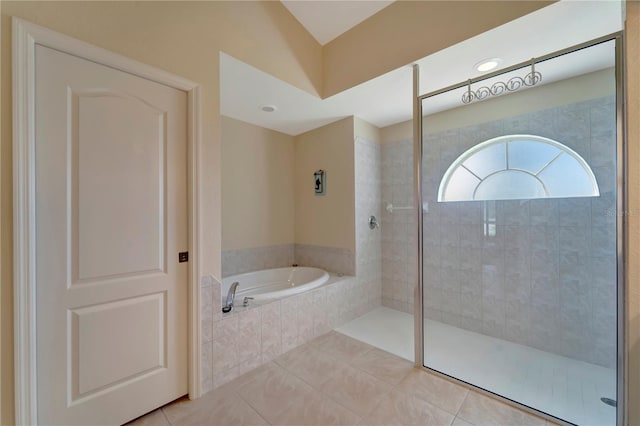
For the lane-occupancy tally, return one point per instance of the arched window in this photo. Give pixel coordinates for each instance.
(518, 167)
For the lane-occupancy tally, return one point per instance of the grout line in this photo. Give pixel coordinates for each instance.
(461, 405)
(461, 419)
(263, 387)
(256, 411)
(165, 416)
(380, 395)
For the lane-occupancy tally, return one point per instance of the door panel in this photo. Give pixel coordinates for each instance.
(97, 342)
(114, 132)
(111, 218)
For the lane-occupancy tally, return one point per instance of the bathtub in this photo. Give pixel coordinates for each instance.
(271, 284)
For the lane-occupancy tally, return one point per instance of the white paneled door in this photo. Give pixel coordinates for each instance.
(111, 218)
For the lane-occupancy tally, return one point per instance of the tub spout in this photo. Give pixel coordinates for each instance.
(230, 296)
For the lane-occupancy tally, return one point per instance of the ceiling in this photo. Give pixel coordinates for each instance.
(387, 99)
(327, 19)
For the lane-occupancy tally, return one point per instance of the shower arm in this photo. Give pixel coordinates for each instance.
(391, 208)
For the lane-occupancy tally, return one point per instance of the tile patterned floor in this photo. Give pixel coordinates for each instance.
(337, 380)
(566, 388)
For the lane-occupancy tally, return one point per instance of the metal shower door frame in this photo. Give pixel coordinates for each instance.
(621, 225)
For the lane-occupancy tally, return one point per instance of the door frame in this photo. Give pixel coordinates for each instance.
(26, 36)
(622, 201)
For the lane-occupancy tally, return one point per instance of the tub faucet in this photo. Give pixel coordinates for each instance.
(230, 296)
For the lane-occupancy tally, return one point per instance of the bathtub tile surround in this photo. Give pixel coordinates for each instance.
(536, 272)
(254, 259)
(332, 259)
(368, 157)
(249, 337)
(271, 331)
(210, 313)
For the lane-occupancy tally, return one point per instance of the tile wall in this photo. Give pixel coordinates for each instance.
(333, 259)
(246, 338)
(257, 258)
(368, 174)
(537, 272)
(546, 276)
(399, 236)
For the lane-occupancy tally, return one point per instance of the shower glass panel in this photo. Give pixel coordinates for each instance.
(520, 236)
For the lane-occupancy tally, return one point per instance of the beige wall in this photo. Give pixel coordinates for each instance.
(589, 86)
(632, 57)
(257, 186)
(180, 37)
(397, 132)
(366, 130)
(326, 220)
(409, 30)
(185, 38)
(261, 204)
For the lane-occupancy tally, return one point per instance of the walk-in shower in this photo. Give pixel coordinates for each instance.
(520, 247)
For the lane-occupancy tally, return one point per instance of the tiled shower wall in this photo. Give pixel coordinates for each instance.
(368, 241)
(399, 237)
(540, 272)
(547, 276)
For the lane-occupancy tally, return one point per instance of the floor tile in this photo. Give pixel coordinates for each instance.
(248, 377)
(564, 387)
(316, 409)
(459, 422)
(178, 408)
(482, 410)
(383, 365)
(270, 394)
(213, 409)
(435, 390)
(397, 408)
(154, 418)
(309, 363)
(340, 346)
(355, 389)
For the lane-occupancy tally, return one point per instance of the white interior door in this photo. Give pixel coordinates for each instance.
(111, 217)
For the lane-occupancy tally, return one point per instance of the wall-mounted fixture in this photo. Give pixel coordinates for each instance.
(391, 208)
(320, 182)
(373, 222)
(515, 83)
(518, 167)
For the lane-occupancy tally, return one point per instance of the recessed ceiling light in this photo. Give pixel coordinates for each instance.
(487, 64)
(268, 108)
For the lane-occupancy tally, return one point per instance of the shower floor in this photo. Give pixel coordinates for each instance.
(561, 386)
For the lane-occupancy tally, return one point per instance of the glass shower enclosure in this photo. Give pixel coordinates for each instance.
(520, 183)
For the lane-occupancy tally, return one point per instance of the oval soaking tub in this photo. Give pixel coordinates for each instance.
(272, 284)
